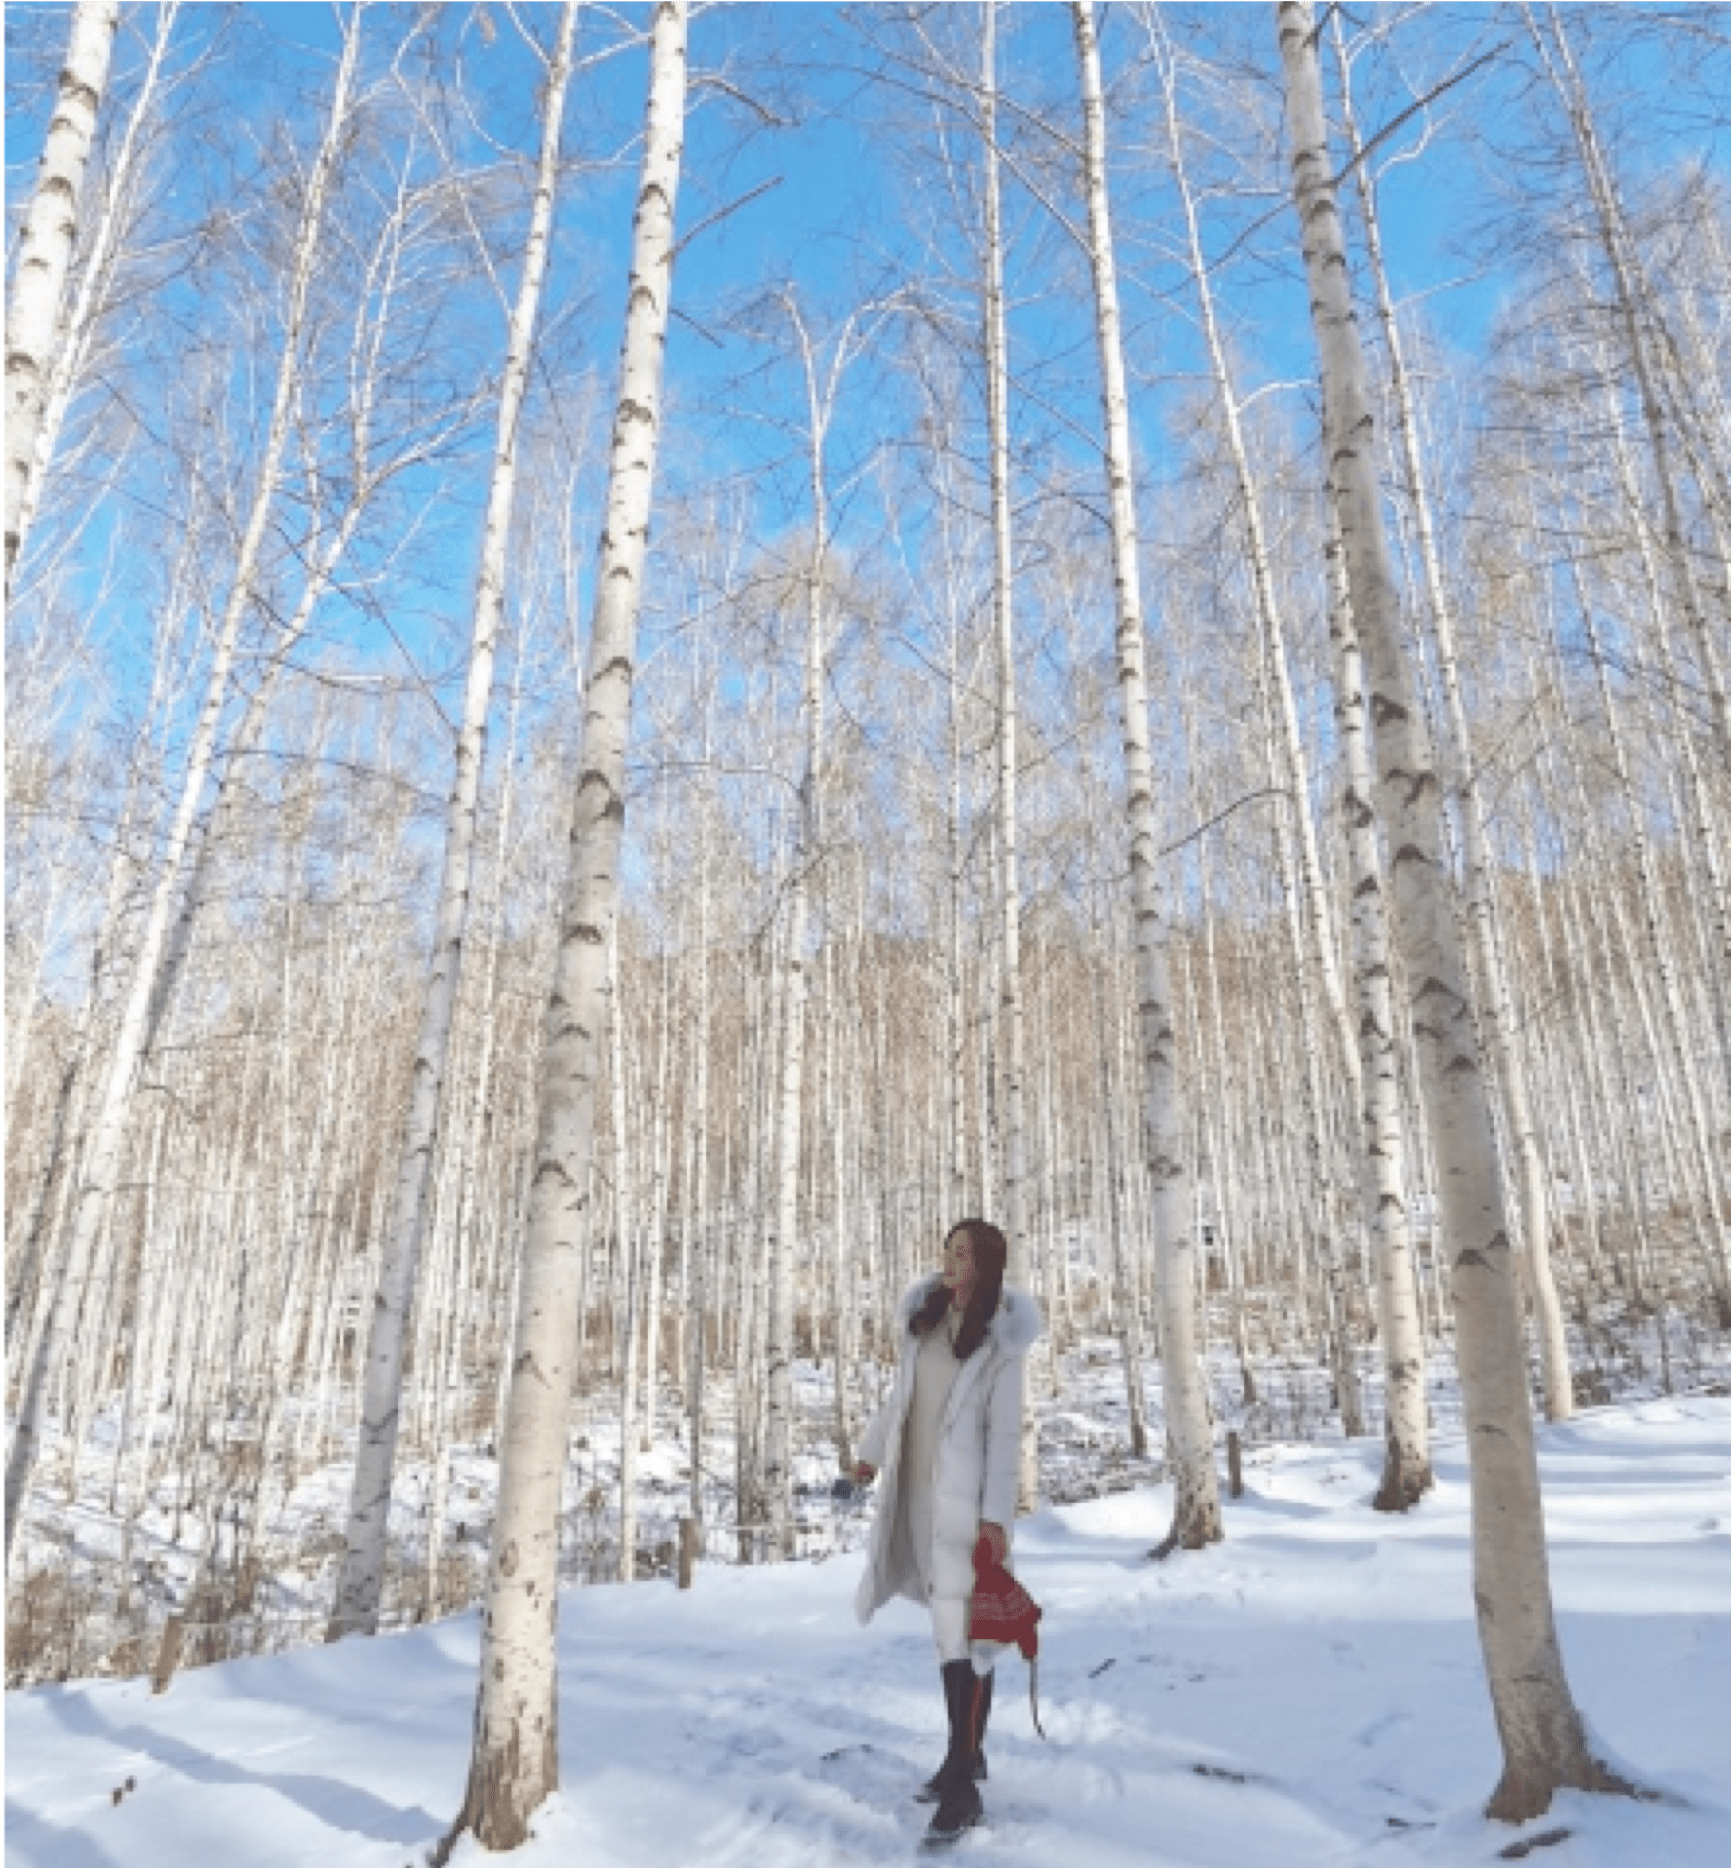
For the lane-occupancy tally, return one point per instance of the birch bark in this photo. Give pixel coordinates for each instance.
(360, 1586)
(1196, 1499)
(1406, 1473)
(1303, 882)
(45, 254)
(1544, 1741)
(1115, 1219)
(1496, 1008)
(777, 1468)
(660, 1149)
(515, 1762)
(1010, 1079)
(628, 1249)
(695, 1220)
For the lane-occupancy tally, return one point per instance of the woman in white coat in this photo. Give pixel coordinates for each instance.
(948, 1443)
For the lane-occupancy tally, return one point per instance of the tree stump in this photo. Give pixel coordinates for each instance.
(687, 1551)
(168, 1655)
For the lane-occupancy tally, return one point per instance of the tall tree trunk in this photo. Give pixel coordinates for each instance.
(1116, 1222)
(660, 1150)
(1302, 881)
(777, 1471)
(361, 1584)
(515, 1762)
(123, 179)
(45, 255)
(1543, 1739)
(1009, 1079)
(1189, 1432)
(629, 1247)
(1496, 1009)
(1406, 1472)
(702, 1232)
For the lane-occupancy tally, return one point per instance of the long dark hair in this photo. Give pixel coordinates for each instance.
(991, 1255)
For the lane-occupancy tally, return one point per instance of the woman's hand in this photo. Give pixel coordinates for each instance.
(994, 1535)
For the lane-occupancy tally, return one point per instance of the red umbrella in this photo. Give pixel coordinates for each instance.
(1000, 1609)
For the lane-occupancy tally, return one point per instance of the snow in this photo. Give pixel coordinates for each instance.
(1307, 1692)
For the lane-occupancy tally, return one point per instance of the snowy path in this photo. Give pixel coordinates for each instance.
(1307, 1693)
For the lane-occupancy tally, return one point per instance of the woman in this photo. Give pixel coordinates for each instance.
(949, 1442)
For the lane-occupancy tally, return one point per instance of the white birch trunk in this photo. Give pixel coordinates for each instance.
(1196, 1501)
(1011, 1075)
(695, 1219)
(1406, 1472)
(628, 1250)
(775, 1474)
(1129, 1330)
(777, 1467)
(1287, 750)
(1496, 1010)
(955, 1020)
(515, 1762)
(660, 1148)
(1543, 1739)
(361, 1584)
(1303, 882)
(82, 317)
(45, 254)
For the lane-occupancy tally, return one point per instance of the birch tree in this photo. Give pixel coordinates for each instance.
(1309, 917)
(822, 386)
(33, 333)
(1010, 1081)
(1406, 1473)
(1544, 1741)
(1190, 1444)
(100, 261)
(514, 1765)
(361, 1585)
(1496, 1009)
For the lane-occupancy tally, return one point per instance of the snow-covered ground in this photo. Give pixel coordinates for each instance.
(1308, 1692)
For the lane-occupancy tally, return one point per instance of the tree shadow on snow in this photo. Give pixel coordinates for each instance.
(33, 1838)
(331, 1800)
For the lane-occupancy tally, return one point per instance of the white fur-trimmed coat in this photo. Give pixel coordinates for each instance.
(979, 1453)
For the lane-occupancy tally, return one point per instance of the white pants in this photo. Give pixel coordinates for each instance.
(950, 1629)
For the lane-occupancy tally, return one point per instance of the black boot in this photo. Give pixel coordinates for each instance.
(959, 1806)
(932, 1789)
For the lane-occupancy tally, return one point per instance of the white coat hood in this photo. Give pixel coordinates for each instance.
(1016, 1324)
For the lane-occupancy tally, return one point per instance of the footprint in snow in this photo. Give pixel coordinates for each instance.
(1380, 1728)
(870, 1774)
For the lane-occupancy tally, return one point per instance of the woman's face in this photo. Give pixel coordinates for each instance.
(959, 1264)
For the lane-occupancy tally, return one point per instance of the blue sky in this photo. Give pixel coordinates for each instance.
(858, 205)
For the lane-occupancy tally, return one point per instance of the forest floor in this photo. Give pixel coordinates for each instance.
(1309, 1691)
